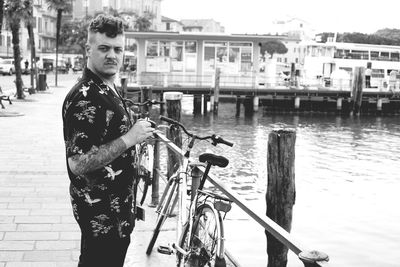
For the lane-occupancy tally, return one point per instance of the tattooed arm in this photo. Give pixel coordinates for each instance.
(96, 157)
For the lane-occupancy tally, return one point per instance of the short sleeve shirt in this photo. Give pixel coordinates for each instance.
(94, 115)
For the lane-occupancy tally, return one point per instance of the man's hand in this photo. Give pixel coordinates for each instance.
(140, 131)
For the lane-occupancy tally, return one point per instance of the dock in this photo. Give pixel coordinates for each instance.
(287, 100)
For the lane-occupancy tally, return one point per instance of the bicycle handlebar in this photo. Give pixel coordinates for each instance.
(216, 139)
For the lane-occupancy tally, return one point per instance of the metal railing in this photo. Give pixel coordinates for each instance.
(269, 225)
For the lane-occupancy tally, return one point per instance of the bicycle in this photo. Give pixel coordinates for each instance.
(144, 152)
(201, 241)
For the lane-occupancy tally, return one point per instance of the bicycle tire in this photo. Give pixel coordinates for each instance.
(206, 239)
(156, 231)
(165, 209)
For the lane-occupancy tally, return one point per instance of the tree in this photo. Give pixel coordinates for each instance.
(272, 47)
(30, 21)
(60, 6)
(74, 35)
(1, 14)
(143, 23)
(15, 11)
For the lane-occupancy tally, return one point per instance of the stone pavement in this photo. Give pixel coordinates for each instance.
(37, 227)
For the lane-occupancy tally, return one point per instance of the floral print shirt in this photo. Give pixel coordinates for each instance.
(94, 115)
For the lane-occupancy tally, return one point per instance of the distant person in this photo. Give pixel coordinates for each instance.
(26, 64)
(368, 73)
(393, 80)
(99, 136)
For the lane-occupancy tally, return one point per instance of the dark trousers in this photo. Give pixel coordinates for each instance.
(103, 252)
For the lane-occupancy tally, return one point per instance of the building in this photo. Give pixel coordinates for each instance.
(187, 57)
(127, 8)
(170, 25)
(44, 32)
(202, 25)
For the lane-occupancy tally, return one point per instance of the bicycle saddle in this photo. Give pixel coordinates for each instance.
(214, 160)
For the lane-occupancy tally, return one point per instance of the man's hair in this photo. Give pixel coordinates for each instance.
(109, 25)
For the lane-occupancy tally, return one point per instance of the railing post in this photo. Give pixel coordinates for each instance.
(173, 100)
(280, 190)
(155, 187)
(216, 90)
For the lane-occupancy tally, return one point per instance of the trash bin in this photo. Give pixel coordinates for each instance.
(42, 82)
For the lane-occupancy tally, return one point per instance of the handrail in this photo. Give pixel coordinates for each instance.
(272, 227)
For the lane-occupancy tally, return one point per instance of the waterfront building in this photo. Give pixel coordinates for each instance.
(319, 61)
(165, 57)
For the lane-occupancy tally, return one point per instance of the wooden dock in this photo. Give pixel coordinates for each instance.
(279, 100)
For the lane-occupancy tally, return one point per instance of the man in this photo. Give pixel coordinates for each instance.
(98, 136)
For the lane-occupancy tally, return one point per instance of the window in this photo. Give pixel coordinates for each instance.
(152, 48)
(394, 56)
(384, 56)
(374, 55)
(168, 26)
(378, 73)
(164, 49)
(40, 25)
(190, 47)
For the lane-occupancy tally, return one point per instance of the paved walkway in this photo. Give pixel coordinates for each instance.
(36, 223)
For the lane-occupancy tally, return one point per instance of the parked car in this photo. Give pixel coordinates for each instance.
(7, 66)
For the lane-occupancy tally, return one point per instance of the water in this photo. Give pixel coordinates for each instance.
(347, 183)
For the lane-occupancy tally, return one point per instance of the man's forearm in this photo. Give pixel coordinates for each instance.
(96, 158)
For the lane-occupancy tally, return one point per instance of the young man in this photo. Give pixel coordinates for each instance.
(98, 136)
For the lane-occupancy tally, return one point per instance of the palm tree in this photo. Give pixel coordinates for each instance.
(15, 11)
(30, 21)
(1, 14)
(60, 6)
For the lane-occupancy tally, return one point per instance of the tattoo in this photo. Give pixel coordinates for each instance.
(96, 157)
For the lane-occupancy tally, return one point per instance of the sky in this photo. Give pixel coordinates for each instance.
(255, 16)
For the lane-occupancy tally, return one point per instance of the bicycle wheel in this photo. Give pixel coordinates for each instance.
(144, 168)
(165, 209)
(205, 245)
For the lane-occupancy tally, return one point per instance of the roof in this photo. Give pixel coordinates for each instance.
(166, 19)
(203, 36)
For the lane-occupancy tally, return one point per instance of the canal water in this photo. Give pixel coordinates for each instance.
(347, 183)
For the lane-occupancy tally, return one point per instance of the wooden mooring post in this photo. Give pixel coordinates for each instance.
(173, 101)
(281, 191)
(357, 90)
(216, 90)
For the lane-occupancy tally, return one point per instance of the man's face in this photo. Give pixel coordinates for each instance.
(105, 54)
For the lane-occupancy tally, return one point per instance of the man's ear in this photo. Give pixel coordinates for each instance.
(88, 49)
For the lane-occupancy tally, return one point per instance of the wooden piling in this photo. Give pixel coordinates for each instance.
(281, 192)
(356, 94)
(216, 90)
(238, 103)
(145, 94)
(197, 104)
(173, 101)
(248, 106)
(206, 99)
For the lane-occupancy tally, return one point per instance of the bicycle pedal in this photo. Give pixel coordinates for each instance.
(165, 250)
(140, 213)
(172, 215)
